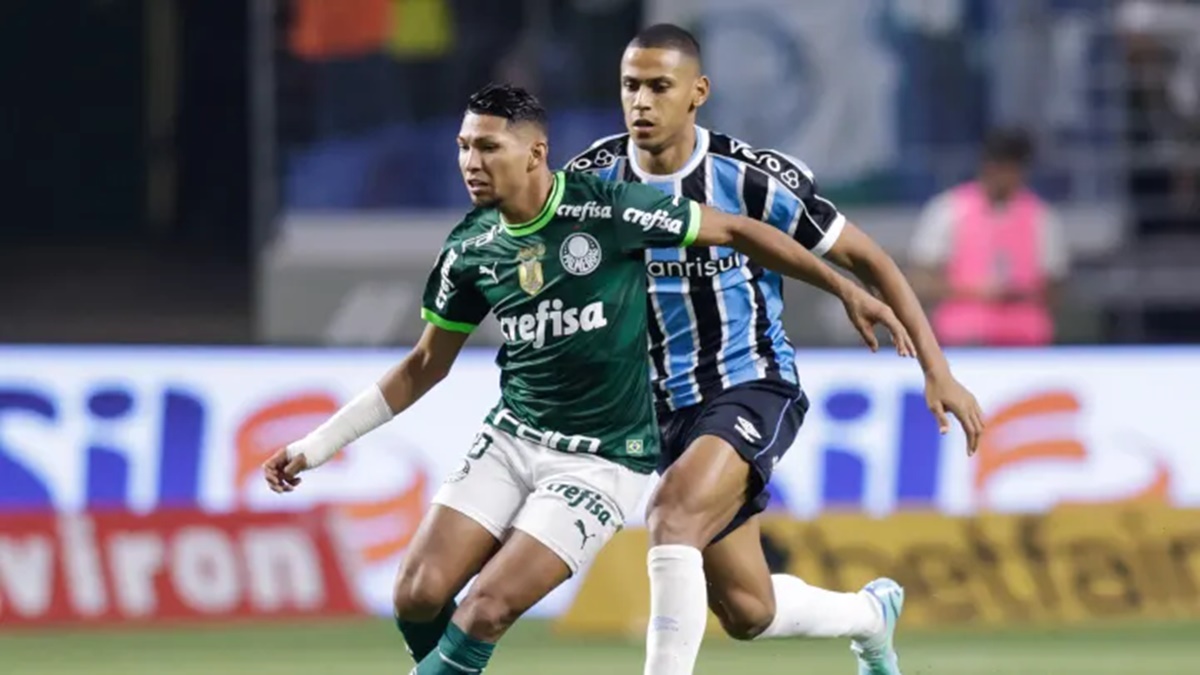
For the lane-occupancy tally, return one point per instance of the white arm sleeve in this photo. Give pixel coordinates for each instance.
(363, 414)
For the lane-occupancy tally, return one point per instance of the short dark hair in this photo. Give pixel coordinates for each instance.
(1010, 146)
(668, 36)
(511, 102)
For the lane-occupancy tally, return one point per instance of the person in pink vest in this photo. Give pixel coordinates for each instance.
(989, 254)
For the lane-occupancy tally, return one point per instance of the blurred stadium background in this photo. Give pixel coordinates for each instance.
(219, 216)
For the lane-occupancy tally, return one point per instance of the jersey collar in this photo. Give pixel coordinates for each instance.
(543, 218)
(691, 165)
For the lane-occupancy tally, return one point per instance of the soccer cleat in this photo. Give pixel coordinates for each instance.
(877, 655)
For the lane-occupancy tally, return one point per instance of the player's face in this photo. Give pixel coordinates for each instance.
(660, 91)
(495, 158)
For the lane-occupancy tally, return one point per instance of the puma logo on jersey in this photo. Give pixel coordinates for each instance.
(585, 211)
(747, 429)
(491, 272)
(553, 319)
(652, 219)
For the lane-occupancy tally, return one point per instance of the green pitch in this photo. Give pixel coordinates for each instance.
(373, 647)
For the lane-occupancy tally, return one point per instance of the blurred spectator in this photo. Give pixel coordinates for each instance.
(990, 253)
(1162, 50)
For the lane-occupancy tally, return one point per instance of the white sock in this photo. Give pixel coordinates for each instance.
(807, 611)
(678, 610)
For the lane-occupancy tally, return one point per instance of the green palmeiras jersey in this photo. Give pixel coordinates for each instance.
(569, 291)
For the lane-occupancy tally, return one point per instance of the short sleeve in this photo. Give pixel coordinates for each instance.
(931, 241)
(782, 191)
(648, 218)
(452, 301)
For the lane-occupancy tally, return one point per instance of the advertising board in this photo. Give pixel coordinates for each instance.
(114, 567)
(1067, 566)
(142, 429)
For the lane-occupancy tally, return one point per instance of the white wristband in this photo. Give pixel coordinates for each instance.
(361, 415)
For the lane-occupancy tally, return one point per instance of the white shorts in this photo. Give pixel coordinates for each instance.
(571, 503)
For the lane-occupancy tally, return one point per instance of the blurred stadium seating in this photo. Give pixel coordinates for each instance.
(277, 175)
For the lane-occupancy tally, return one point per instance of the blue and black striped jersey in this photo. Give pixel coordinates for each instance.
(715, 316)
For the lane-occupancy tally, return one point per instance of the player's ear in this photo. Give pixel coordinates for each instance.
(539, 153)
(701, 92)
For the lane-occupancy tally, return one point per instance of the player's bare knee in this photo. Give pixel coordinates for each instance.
(676, 517)
(744, 630)
(745, 620)
(419, 593)
(744, 613)
(671, 525)
(486, 615)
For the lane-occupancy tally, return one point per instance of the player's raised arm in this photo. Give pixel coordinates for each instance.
(453, 307)
(775, 250)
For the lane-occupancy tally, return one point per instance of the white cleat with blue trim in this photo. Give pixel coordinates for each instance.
(877, 655)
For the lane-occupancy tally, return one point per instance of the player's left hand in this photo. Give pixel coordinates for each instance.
(944, 393)
(866, 311)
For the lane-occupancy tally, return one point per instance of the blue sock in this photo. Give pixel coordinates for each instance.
(457, 654)
(422, 638)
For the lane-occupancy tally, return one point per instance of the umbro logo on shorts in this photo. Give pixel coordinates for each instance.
(747, 429)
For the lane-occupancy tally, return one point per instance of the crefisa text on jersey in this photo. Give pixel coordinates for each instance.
(585, 211)
(560, 321)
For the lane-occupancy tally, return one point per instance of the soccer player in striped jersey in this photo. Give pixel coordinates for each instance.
(724, 374)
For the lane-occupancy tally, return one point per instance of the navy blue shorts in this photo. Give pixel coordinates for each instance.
(759, 419)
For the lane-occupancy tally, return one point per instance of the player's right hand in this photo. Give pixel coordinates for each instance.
(283, 474)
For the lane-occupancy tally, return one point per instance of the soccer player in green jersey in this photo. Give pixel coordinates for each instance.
(566, 454)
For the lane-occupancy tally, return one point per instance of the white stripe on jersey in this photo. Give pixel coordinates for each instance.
(606, 139)
(685, 287)
(741, 188)
(795, 224)
(722, 311)
(830, 236)
(769, 202)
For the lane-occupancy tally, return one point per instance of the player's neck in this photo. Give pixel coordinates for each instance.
(672, 157)
(529, 204)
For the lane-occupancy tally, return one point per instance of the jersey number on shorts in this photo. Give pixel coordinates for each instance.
(482, 443)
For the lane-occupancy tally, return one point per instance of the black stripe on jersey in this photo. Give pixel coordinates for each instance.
(762, 322)
(695, 185)
(627, 173)
(703, 295)
(754, 193)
